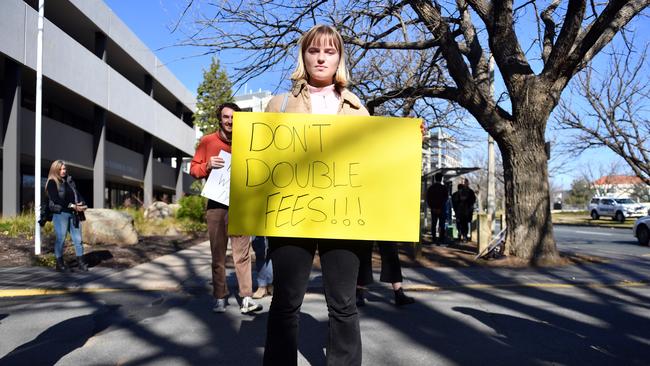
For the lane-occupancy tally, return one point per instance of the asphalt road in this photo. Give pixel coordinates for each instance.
(515, 326)
(605, 242)
(543, 325)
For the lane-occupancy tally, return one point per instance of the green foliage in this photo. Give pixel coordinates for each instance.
(21, 225)
(197, 186)
(580, 193)
(192, 208)
(139, 223)
(215, 89)
(45, 260)
(193, 227)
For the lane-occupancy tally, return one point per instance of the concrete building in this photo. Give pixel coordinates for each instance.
(111, 109)
(440, 151)
(254, 102)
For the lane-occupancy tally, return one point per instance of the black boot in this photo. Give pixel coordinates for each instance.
(402, 299)
(361, 300)
(60, 265)
(81, 264)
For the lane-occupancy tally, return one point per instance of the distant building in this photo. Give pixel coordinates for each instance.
(440, 150)
(254, 102)
(111, 110)
(619, 185)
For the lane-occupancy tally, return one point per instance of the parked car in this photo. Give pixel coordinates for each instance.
(617, 208)
(641, 230)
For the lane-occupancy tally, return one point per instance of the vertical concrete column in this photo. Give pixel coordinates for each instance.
(147, 154)
(11, 118)
(179, 175)
(179, 111)
(148, 85)
(100, 45)
(99, 158)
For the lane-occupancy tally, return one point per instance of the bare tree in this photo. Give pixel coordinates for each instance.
(406, 50)
(617, 109)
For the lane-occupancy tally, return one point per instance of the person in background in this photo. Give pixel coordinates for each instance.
(205, 159)
(436, 199)
(67, 206)
(466, 200)
(264, 268)
(391, 272)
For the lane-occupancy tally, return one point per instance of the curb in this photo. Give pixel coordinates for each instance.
(34, 292)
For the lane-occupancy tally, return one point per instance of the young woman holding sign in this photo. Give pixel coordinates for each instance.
(319, 83)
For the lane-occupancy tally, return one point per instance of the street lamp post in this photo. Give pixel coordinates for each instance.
(37, 129)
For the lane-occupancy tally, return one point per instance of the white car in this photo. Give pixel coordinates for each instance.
(617, 208)
(641, 230)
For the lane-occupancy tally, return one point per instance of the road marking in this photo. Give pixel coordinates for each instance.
(593, 233)
(33, 292)
(30, 292)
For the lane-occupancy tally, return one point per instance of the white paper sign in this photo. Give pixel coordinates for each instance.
(217, 187)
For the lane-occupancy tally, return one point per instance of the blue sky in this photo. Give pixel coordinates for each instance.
(152, 21)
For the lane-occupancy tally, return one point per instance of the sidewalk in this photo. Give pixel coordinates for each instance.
(189, 270)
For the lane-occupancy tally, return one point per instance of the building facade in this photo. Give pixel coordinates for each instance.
(111, 110)
(440, 150)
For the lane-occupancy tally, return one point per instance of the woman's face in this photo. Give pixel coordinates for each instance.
(321, 62)
(63, 171)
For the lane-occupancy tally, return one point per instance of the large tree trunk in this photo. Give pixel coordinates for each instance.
(525, 165)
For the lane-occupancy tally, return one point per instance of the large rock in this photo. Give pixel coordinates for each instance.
(157, 211)
(104, 226)
(173, 208)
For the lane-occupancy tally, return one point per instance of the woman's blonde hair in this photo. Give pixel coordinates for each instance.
(55, 172)
(328, 35)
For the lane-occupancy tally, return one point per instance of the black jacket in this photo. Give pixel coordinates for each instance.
(64, 195)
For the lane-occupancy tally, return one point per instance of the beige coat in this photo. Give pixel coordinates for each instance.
(299, 102)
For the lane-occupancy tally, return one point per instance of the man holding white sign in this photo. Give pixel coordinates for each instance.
(213, 151)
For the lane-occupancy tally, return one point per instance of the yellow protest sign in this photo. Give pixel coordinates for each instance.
(325, 176)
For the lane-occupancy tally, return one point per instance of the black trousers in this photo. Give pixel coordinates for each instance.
(391, 269)
(440, 218)
(292, 261)
(463, 221)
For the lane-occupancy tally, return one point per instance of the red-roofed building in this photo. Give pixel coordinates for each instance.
(617, 185)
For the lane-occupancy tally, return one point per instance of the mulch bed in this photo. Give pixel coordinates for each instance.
(17, 252)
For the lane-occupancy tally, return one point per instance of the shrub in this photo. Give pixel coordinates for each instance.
(192, 208)
(21, 225)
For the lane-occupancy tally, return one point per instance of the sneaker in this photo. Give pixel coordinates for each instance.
(249, 306)
(219, 306)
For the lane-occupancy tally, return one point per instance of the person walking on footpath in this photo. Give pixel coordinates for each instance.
(436, 199)
(264, 268)
(67, 207)
(319, 86)
(391, 272)
(205, 159)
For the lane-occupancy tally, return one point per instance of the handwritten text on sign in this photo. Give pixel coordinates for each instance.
(217, 186)
(325, 176)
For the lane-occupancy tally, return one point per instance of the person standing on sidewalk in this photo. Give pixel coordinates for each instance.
(264, 268)
(466, 200)
(391, 272)
(436, 199)
(319, 86)
(205, 159)
(67, 206)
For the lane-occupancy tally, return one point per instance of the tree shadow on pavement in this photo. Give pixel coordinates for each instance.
(60, 339)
